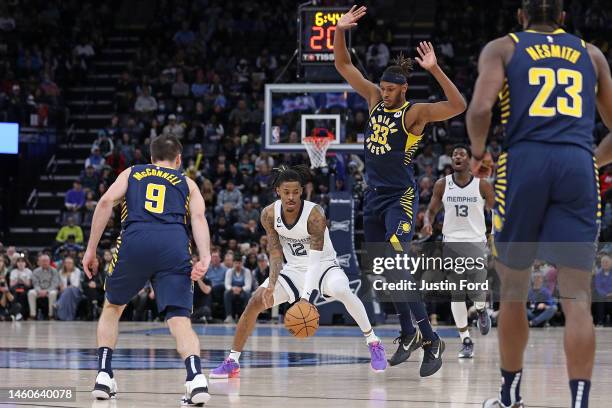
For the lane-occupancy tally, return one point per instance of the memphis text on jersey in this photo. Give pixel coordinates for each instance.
(139, 175)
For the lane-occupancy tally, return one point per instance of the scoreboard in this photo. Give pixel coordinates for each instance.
(316, 34)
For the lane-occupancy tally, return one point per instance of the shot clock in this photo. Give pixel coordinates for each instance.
(316, 35)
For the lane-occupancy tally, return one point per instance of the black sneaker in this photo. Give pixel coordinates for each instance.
(432, 357)
(484, 321)
(407, 344)
(467, 350)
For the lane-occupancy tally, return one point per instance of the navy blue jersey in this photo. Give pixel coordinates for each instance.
(156, 195)
(389, 149)
(549, 94)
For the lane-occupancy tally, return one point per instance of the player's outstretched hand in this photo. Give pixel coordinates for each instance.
(267, 297)
(428, 56)
(427, 230)
(482, 168)
(88, 260)
(349, 19)
(199, 270)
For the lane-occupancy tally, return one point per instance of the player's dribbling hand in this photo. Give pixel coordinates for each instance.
(428, 56)
(88, 259)
(349, 19)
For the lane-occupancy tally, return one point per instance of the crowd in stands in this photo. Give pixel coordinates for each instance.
(195, 79)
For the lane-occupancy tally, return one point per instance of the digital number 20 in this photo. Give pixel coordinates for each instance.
(316, 40)
(155, 198)
(548, 78)
(297, 249)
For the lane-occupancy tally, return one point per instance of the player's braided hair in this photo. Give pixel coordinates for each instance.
(300, 173)
(543, 11)
(401, 65)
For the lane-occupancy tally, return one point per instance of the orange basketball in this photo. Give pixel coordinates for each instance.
(302, 319)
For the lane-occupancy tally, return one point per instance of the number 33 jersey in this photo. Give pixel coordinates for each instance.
(464, 219)
(550, 90)
(295, 238)
(389, 149)
(156, 195)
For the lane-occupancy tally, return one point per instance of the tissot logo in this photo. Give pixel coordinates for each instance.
(344, 260)
(340, 225)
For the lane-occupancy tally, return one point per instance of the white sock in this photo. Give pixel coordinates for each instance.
(460, 314)
(464, 334)
(234, 355)
(371, 337)
(479, 305)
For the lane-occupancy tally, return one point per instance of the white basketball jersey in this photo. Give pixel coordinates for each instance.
(464, 218)
(295, 238)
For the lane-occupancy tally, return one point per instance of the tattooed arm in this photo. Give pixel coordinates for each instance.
(275, 252)
(316, 228)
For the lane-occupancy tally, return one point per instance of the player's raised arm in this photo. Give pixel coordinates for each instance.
(435, 204)
(199, 226)
(490, 80)
(345, 67)
(275, 251)
(102, 213)
(455, 103)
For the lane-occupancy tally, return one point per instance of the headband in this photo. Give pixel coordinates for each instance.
(393, 77)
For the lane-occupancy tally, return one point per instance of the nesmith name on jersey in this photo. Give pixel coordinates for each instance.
(157, 173)
(462, 199)
(541, 51)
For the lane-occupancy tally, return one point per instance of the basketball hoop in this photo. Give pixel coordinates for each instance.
(317, 146)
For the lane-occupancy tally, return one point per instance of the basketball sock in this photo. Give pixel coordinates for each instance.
(464, 334)
(105, 356)
(193, 366)
(580, 393)
(405, 318)
(234, 355)
(420, 314)
(371, 337)
(460, 314)
(480, 305)
(511, 387)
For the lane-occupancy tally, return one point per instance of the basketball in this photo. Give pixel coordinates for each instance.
(302, 320)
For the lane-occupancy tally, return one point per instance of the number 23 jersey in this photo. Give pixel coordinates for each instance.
(550, 90)
(155, 194)
(295, 239)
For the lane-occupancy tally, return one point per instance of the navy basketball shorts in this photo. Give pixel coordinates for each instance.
(389, 215)
(547, 206)
(160, 253)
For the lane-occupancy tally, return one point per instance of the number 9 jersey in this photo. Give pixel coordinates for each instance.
(155, 194)
(550, 90)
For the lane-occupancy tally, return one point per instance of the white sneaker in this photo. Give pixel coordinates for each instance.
(105, 387)
(229, 319)
(196, 391)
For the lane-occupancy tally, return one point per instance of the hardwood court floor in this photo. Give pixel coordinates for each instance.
(330, 370)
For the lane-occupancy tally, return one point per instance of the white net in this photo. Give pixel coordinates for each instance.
(317, 148)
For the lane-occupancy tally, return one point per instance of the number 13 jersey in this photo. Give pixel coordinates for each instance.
(550, 90)
(464, 219)
(295, 239)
